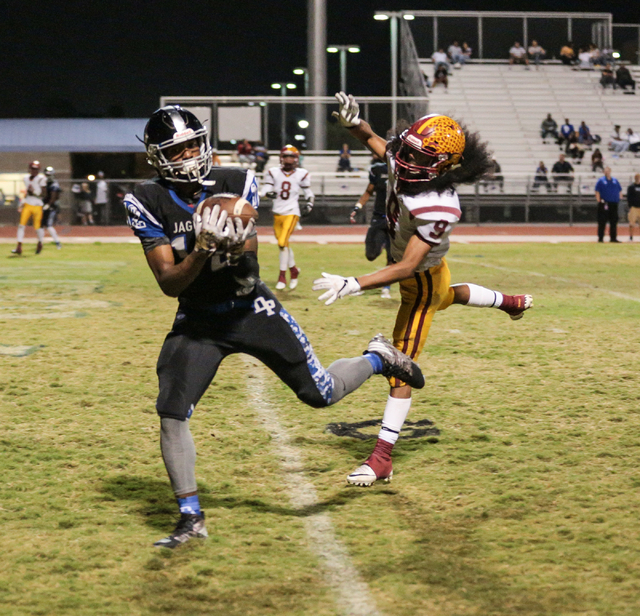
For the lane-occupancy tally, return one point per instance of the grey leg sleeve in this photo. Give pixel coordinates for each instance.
(179, 454)
(348, 375)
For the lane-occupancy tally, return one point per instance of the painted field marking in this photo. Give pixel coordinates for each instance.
(575, 283)
(353, 595)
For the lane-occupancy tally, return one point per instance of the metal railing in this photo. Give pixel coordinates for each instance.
(505, 198)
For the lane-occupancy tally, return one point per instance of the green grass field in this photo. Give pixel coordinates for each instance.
(526, 503)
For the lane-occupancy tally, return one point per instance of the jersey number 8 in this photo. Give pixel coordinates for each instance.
(285, 190)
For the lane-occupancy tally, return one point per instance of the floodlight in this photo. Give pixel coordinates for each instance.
(91, 178)
(303, 123)
(291, 86)
(408, 17)
(616, 54)
(276, 86)
(354, 49)
(299, 137)
(332, 49)
(299, 71)
(381, 17)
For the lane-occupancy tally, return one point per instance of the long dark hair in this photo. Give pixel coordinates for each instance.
(475, 163)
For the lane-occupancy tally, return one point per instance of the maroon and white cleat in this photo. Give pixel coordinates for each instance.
(515, 305)
(377, 466)
(295, 272)
(39, 248)
(282, 281)
(18, 249)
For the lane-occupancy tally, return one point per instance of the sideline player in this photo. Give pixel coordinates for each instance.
(633, 201)
(378, 232)
(283, 185)
(425, 161)
(35, 185)
(210, 264)
(51, 206)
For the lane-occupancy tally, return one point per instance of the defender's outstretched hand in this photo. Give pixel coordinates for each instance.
(337, 287)
(349, 112)
(210, 228)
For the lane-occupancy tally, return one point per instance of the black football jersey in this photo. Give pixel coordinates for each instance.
(378, 176)
(157, 215)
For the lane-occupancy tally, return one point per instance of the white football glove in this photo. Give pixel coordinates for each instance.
(272, 194)
(210, 228)
(237, 236)
(349, 111)
(338, 287)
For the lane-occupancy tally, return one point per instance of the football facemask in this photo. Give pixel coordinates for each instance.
(169, 132)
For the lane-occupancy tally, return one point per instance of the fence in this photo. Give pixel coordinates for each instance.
(502, 199)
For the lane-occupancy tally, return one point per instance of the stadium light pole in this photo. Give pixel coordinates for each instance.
(283, 87)
(342, 50)
(392, 17)
(300, 70)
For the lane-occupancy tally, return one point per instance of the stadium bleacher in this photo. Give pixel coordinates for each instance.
(507, 104)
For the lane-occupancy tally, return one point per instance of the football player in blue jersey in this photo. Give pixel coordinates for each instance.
(210, 264)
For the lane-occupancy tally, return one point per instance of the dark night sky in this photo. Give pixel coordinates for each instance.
(97, 58)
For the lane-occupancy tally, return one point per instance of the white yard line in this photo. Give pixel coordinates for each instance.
(353, 597)
(575, 283)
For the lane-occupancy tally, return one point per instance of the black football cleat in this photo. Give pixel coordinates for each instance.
(190, 525)
(396, 363)
(39, 248)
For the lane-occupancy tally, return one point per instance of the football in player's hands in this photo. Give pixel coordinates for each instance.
(235, 207)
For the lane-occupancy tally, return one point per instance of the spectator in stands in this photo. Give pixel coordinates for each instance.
(567, 54)
(86, 204)
(584, 59)
(494, 177)
(518, 55)
(440, 59)
(634, 140)
(541, 178)
(608, 196)
(617, 142)
(624, 79)
(597, 161)
(102, 199)
(597, 57)
(607, 79)
(562, 173)
(633, 201)
(466, 52)
(536, 53)
(344, 162)
(441, 76)
(549, 127)
(262, 156)
(245, 153)
(566, 130)
(455, 53)
(584, 135)
(574, 147)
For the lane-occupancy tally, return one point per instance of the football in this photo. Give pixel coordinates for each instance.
(236, 207)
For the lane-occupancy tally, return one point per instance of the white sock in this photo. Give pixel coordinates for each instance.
(481, 297)
(393, 419)
(53, 234)
(292, 262)
(20, 232)
(284, 258)
(40, 234)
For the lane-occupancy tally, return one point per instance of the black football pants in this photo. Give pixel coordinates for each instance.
(608, 213)
(258, 326)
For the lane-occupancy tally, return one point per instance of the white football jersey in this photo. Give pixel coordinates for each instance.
(429, 215)
(38, 186)
(287, 186)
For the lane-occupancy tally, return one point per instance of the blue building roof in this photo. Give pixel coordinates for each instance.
(71, 135)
